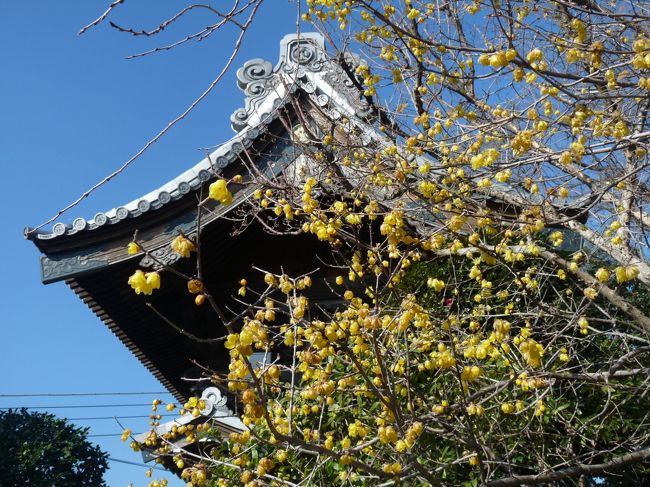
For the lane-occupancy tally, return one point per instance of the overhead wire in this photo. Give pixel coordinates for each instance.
(79, 394)
(78, 406)
(92, 418)
(153, 467)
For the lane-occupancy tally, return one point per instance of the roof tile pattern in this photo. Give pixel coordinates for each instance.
(303, 65)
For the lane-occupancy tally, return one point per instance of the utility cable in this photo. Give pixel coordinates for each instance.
(75, 394)
(78, 406)
(111, 459)
(120, 417)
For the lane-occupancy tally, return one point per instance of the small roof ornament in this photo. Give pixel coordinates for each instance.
(303, 65)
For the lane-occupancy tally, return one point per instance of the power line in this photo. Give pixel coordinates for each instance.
(119, 417)
(75, 394)
(111, 459)
(78, 406)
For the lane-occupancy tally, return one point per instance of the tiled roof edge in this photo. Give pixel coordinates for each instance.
(303, 64)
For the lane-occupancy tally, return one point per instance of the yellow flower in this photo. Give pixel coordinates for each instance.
(572, 55)
(139, 283)
(631, 272)
(602, 274)
(400, 446)
(531, 77)
(153, 280)
(565, 158)
(144, 283)
(232, 341)
(534, 55)
(475, 410)
(182, 246)
(532, 352)
(507, 408)
(503, 176)
(392, 468)
(590, 292)
(413, 14)
(194, 286)
(133, 248)
(436, 284)
(219, 191)
(498, 60)
(556, 238)
(624, 274)
(564, 355)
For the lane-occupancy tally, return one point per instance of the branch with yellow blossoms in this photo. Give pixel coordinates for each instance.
(488, 236)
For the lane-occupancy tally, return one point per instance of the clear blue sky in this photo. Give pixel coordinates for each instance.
(73, 109)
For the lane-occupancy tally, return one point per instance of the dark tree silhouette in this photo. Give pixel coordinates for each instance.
(40, 450)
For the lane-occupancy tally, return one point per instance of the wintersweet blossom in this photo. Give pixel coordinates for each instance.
(436, 284)
(138, 282)
(507, 408)
(400, 341)
(603, 274)
(219, 191)
(194, 286)
(590, 292)
(183, 246)
(133, 248)
(144, 283)
(624, 274)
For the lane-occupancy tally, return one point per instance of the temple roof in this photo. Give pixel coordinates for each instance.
(303, 65)
(91, 255)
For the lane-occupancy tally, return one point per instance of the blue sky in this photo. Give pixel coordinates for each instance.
(72, 110)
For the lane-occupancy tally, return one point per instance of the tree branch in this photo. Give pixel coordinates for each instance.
(542, 478)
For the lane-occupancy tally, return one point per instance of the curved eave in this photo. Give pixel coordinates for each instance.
(86, 246)
(303, 65)
(167, 195)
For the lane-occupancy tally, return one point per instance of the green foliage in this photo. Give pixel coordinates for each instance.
(40, 450)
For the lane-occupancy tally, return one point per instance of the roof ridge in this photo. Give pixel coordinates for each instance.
(266, 89)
